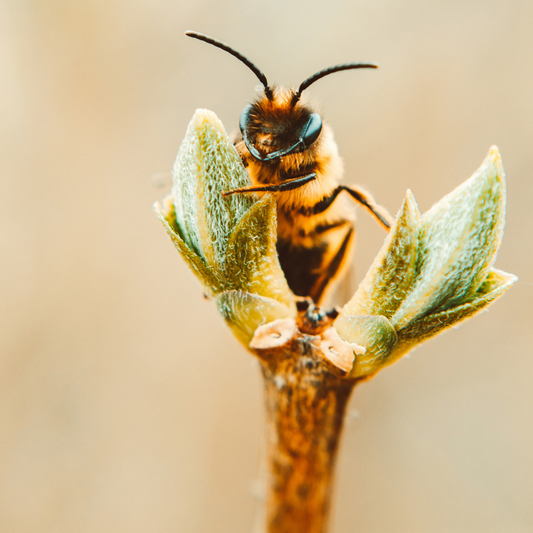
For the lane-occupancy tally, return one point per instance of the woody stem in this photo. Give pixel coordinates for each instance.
(305, 399)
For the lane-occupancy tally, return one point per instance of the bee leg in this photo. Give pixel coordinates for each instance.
(287, 185)
(303, 303)
(334, 312)
(333, 268)
(365, 199)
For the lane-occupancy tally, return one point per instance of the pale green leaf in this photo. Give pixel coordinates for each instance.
(245, 312)
(252, 263)
(207, 165)
(495, 284)
(209, 277)
(458, 240)
(390, 277)
(375, 333)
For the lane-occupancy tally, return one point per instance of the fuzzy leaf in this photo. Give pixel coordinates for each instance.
(245, 312)
(390, 277)
(252, 263)
(495, 284)
(203, 271)
(373, 332)
(458, 240)
(208, 164)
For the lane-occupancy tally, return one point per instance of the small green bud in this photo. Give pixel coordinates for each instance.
(457, 243)
(228, 241)
(432, 271)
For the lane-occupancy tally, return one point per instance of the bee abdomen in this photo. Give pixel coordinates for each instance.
(309, 269)
(325, 227)
(301, 265)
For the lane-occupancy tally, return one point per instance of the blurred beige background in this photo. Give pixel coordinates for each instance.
(125, 403)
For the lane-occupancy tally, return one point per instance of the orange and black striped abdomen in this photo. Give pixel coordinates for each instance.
(309, 270)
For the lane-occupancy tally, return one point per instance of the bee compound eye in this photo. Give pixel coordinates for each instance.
(243, 121)
(312, 130)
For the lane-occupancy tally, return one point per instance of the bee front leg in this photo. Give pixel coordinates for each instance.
(287, 185)
(365, 199)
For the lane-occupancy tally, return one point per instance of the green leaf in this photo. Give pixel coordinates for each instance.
(375, 333)
(203, 271)
(494, 285)
(458, 240)
(207, 165)
(390, 277)
(245, 312)
(252, 263)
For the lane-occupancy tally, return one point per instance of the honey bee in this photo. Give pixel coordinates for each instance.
(288, 151)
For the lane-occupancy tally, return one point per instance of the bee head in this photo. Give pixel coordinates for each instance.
(273, 128)
(279, 124)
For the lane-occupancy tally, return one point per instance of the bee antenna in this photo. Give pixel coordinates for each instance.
(326, 72)
(234, 53)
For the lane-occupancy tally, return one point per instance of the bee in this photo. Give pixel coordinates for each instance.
(289, 151)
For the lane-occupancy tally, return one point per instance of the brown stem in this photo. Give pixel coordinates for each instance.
(306, 398)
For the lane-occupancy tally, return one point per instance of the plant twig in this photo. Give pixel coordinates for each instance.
(306, 398)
